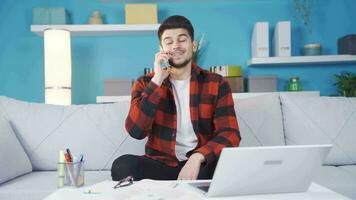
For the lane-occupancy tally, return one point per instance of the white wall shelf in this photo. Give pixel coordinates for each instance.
(300, 60)
(99, 30)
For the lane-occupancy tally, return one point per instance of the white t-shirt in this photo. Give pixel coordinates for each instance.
(186, 140)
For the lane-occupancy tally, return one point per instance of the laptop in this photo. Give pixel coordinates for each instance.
(264, 170)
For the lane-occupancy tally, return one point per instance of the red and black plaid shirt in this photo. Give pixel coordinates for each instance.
(153, 114)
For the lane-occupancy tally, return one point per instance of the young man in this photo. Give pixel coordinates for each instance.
(186, 112)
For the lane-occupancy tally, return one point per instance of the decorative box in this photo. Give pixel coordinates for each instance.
(41, 16)
(262, 83)
(236, 83)
(117, 87)
(347, 45)
(141, 13)
(59, 16)
(44, 16)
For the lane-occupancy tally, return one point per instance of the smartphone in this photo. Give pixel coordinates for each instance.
(165, 64)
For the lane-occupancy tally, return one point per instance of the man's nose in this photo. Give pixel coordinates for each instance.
(176, 45)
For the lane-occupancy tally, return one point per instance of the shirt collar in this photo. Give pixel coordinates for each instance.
(195, 71)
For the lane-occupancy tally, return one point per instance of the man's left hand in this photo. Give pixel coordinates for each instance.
(190, 170)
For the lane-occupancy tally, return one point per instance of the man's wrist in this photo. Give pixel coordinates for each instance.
(157, 81)
(199, 156)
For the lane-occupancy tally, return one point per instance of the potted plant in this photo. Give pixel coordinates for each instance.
(346, 84)
(303, 8)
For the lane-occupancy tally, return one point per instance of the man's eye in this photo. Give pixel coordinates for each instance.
(169, 43)
(182, 40)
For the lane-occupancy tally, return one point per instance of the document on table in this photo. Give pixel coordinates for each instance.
(146, 189)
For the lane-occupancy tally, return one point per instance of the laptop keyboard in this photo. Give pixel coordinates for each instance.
(205, 188)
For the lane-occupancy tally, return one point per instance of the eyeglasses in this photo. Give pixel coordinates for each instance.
(124, 182)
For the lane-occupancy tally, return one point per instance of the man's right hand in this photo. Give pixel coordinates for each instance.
(160, 73)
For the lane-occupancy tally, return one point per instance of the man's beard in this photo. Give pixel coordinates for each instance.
(180, 65)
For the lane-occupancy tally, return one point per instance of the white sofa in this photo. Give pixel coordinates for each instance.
(34, 133)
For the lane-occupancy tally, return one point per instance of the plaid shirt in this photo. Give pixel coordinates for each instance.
(153, 114)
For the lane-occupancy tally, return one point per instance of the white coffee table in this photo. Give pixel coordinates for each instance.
(175, 190)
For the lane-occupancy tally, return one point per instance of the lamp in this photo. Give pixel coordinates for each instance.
(58, 67)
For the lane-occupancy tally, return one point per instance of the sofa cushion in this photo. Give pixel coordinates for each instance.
(350, 169)
(322, 120)
(95, 130)
(340, 179)
(38, 185)
(13, 159)
(260, 120)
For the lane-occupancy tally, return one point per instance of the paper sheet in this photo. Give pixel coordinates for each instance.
(145, 189)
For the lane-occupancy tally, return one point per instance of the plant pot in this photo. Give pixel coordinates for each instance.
(312, 49)
(349, 94)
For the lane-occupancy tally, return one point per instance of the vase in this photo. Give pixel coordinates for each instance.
(294, 84)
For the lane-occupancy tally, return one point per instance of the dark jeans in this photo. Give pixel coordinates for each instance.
(141, 167)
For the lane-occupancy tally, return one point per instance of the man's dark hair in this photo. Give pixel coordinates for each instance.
(176, 21)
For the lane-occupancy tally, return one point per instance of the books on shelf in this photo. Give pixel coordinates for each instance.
(227, 70)
(232, 74)
(282, 39)
(260, 40)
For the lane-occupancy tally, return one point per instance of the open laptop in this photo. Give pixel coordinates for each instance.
(264, 170)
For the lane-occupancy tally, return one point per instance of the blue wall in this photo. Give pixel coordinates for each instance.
(227, 25)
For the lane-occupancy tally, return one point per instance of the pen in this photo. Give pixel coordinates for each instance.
(69, 155)
(67, 158)
(80, 159)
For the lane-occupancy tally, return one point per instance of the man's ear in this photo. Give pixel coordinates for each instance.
(195, 46)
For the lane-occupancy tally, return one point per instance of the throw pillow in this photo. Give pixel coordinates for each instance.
(260, 120)
(322, 120)
(96, 130)
(13, 159)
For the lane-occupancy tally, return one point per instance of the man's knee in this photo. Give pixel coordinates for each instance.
(125, 165)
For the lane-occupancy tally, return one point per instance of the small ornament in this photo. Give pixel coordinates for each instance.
(95, 18)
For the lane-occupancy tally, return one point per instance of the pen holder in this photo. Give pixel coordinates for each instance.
(70, 174)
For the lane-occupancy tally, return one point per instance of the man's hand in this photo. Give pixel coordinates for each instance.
(160, 73)
(191, 169)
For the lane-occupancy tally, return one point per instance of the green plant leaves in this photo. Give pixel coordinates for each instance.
(346, 84)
